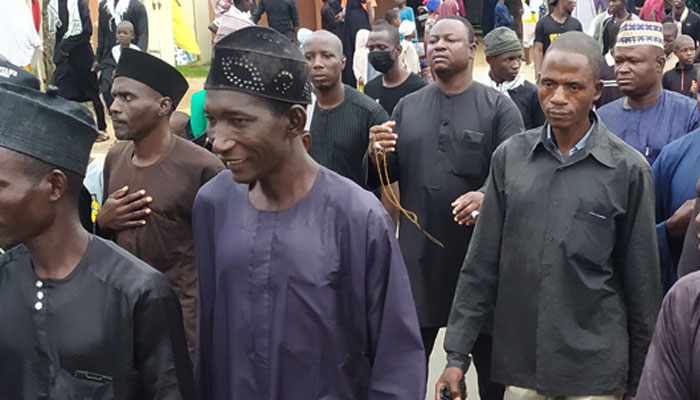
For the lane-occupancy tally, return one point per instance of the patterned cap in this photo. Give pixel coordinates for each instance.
(262, 62)
(640, 33)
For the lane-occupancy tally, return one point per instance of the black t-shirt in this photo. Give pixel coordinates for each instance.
(17, 75)
(548, 29)
(389, 97)
(691, 26)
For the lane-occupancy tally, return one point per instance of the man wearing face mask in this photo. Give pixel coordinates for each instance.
(342, 116)
(395, 82)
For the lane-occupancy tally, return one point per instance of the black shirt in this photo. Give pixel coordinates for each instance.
(547, 29)
(282, 15)
(330, 22)
(525, 97)
(17, 75)
(691, 26)
(611, 91)
(682, 79)
(565, 255)
(340, 135)
(389, 97)
(608, 26)
(112, 316)
(443, 151)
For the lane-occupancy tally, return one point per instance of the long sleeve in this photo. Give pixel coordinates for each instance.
(667, 371)
(509, 121)
(204, 255)
(694, 120)
(164, 365)
(396, 347)
(660, 173)
(258, 12)
(690, 256)
(475, 295)
(639, 266)
(141, 26)
(102, 31)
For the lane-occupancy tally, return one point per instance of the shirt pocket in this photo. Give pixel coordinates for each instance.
(468, 156)
(67, 386)
(591, 238)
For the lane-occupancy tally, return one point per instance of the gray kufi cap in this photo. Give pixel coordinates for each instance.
(47, 127)
(501, 40)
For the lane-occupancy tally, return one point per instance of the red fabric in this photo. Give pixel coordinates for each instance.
(448, 7)
(462, 10)
(649, 5)
(36, 14)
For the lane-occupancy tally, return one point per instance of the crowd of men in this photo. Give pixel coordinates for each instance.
(318, 245)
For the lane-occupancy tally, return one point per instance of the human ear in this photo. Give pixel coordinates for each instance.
(56, 183)
(165, 106)
(297, 120)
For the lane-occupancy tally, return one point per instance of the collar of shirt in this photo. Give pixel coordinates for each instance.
(594, 142)
(504, 87)
(682, 67)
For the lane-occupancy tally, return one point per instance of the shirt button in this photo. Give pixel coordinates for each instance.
(38, 305)
(549, 238)
(444, 123)
(39, 284)
(39, 295)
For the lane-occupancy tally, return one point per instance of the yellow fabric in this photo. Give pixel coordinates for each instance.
(531, 18)
(344, 4)
(182, 32)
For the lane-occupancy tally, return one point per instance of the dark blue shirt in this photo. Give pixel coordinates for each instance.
(675, 173)
(503, 17)
(650, 129)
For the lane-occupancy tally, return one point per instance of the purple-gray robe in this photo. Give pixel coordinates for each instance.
(671, 370)
(312, 302)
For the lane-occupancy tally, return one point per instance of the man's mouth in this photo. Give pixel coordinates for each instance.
(240, 161)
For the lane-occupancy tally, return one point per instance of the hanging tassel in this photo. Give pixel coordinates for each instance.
(384, 181)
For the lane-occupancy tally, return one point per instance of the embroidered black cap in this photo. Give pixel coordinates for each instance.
(262, 62)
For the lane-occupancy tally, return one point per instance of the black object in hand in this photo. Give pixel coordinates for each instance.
(446, 395)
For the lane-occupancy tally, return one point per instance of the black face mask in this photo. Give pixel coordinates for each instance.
(381, 60)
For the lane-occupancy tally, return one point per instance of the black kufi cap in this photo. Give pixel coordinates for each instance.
(152, 72)
(262, 62)
(47, 127)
